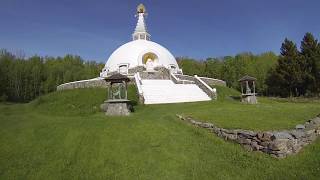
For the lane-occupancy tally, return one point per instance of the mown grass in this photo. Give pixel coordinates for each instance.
(64, 136)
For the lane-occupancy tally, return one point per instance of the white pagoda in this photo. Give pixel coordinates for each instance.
(153, 70)
(140, 52)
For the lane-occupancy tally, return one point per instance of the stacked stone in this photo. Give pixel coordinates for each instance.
(160, 73)
(209, 81)
(276, 143)
(123, 108)
(93, 83)
(136, 69)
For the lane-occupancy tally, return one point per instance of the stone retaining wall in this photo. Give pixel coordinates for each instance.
(213, 82)
(174, 78)
(91, 83)
(276, 143)
(209, 81)
(205, 88)
(136, 69)
(160, 73)
(185, 77)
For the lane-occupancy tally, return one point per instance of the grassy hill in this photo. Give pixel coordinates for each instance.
(75, 102)
(63, 135)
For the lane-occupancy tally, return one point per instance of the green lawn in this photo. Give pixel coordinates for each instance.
(64, 136)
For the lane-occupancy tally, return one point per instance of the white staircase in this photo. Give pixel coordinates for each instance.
(166, 91)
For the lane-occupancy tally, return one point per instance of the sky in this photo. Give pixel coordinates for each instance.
(199, 29)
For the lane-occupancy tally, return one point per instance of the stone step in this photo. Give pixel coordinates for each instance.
(166, 91)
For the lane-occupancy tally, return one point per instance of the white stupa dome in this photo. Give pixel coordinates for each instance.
(132, 54)
(141, 51)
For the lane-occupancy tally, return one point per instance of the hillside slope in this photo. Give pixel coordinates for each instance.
(77, 101)
(63, 135)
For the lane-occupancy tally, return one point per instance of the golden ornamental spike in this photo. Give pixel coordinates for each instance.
(141, 8)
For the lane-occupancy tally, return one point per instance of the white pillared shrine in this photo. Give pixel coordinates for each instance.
(140, 52)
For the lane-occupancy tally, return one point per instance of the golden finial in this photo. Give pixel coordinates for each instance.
(141, 8)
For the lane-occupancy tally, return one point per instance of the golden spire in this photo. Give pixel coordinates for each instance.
(141, 8)
(140, 31)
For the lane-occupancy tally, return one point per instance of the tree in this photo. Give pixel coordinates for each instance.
(213, 68)
(287, 78)
(263, 63)
(191, 66)
(23, 79)
(310, 53)
(5, 64)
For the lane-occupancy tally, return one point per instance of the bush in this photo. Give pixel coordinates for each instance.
(3, 98)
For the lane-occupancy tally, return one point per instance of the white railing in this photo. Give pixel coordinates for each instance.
(174, 77)
(219, 80)
(138, 82)
(212, 90)
(205, 84)
(180, 80)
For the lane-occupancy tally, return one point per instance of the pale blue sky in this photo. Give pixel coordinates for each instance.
(199, 29)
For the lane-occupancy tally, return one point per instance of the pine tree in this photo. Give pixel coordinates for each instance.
(287, 78)
(310, 52)
(317, 71)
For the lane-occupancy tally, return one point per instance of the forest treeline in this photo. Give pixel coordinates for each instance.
(232, 68)
(292, 73)
(23, 79)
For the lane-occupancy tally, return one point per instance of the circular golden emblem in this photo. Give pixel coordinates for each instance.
(149, 56)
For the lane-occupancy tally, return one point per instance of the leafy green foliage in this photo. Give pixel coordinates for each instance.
(191, 66)
(22, 80)
(293, 73)
(287, 76)
(297, 73)
(231, 69)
